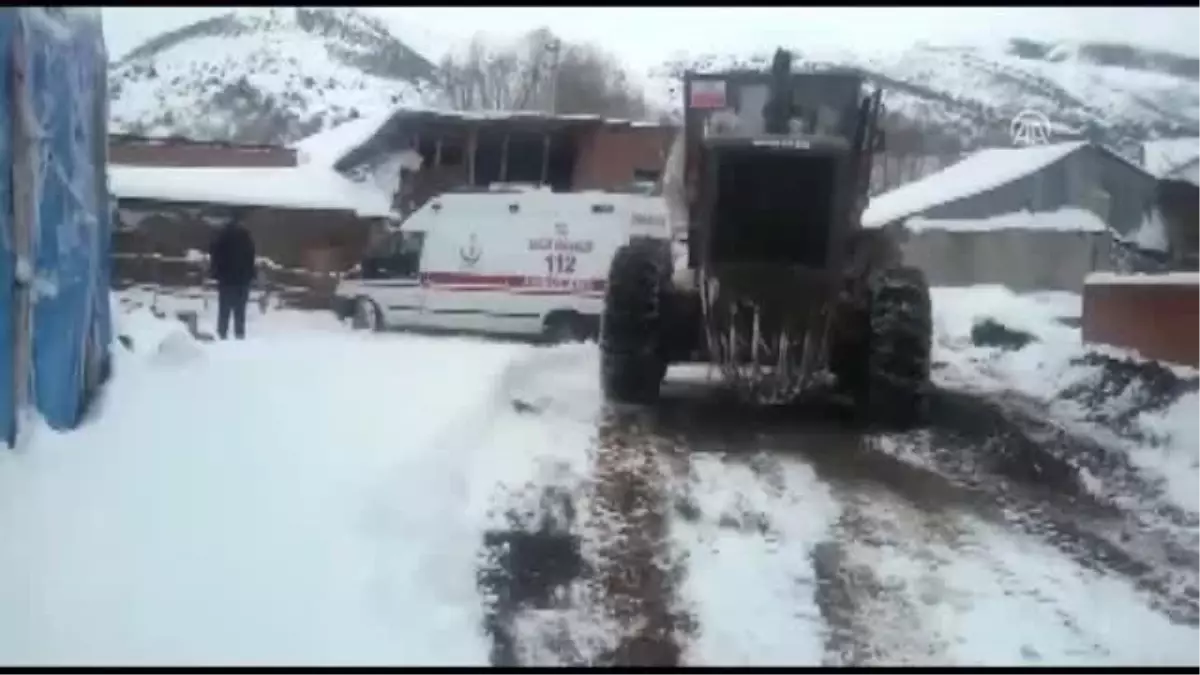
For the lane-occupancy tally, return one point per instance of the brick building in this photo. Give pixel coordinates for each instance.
(474, 150)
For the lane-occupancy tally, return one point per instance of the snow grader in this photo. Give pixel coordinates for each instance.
(783, 289)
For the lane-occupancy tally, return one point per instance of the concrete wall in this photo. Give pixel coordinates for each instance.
(1075, 180)
(1159, 320)
(1023, 260)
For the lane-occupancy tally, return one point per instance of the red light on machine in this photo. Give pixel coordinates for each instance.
(707, 94)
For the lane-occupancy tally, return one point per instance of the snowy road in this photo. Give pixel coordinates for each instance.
(315, 496)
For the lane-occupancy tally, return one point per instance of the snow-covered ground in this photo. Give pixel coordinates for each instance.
(235, 503)
(316, 495)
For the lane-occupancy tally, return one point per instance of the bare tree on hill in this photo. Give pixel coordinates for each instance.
(540, 72)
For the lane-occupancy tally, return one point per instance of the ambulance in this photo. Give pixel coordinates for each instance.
(519, 262)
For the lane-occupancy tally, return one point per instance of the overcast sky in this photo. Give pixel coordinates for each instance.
(644, 36)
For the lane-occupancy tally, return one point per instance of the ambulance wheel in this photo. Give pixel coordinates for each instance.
(367, 315)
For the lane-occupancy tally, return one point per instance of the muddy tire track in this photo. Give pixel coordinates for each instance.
(871, 620)
(989, 456)
(634, 566)
(1033, 472)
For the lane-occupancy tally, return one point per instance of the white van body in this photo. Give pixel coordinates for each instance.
(511, 263)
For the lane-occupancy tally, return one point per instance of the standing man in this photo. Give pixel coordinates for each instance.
(231, 264)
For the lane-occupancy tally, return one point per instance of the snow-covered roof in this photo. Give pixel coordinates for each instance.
(331, 146)
(303, 187)
(975, 174)
(1062, 220)
(327, 147)
(1165, 155)
(1168, 278)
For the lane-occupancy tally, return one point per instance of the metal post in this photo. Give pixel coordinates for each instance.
(545, 159)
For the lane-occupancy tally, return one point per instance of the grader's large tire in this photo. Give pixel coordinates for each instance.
(632, 363)
(894, 385)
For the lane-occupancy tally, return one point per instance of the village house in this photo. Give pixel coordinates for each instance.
(170, 195)
(427, 152)
(969, 227)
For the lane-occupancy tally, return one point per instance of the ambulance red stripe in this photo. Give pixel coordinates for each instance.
(523, 285)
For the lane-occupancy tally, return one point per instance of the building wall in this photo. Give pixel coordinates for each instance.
(1160, 321)
(1023, 260)
(609, 156)
(1179, 203)
(1075, 180)
(179, 153)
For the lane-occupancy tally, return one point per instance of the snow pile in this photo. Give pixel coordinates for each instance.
(957, 312)
(976, 174)
(1062, 220)
(303, 187)
(1157, 431)
(1151, 234)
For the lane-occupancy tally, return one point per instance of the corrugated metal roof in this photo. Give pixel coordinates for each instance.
(977, 173)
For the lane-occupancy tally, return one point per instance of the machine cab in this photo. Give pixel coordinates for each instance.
(775, 162)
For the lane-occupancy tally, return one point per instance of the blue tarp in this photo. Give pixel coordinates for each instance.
(7, 269)
(60, 174)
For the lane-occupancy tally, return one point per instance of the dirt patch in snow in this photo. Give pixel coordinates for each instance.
(991, 333)
(1121, 389)
(529, 567)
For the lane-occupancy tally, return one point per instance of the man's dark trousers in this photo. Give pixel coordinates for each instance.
(232, 299)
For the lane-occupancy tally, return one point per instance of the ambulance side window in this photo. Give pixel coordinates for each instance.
(396, 257)
(407, 256)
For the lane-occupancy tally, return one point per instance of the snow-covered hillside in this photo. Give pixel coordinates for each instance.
(266, 75)
(277, 75)
(972, 93)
